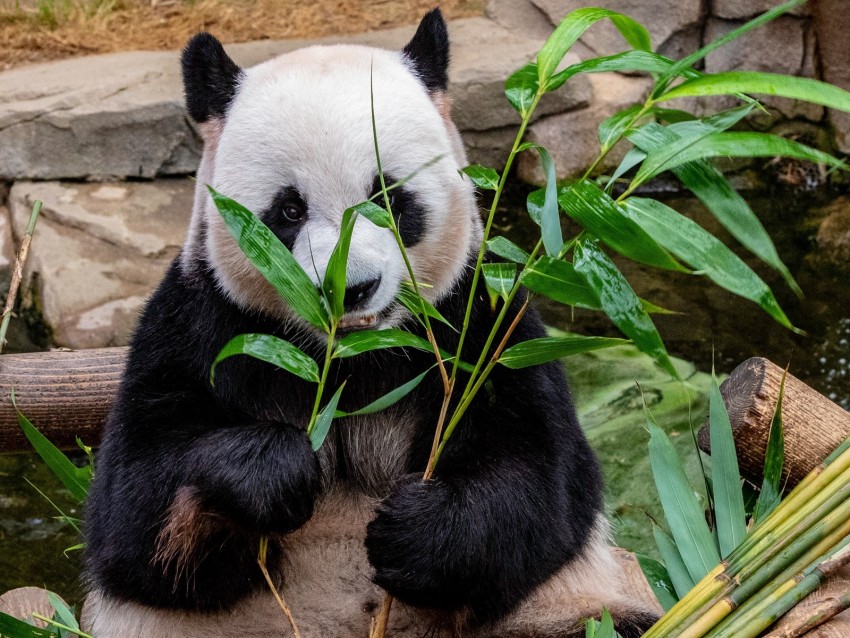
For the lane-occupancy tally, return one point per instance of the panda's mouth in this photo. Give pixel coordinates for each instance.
(358, 323)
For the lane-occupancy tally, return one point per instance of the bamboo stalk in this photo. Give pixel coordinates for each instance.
(18, 272)
(824, 612)
(752, 622)
(810, 501)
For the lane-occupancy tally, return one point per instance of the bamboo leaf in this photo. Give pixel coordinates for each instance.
(746, 145)
(390, 398)
(702, 251)
(536, 351)
(500, 278)
(725, 476)
(698, 55)
(612, 128)
(774, 459)
(482, 177)
(633, 157)
(627, 61)
(334, 283)
(560, 281)
(75, 479)
(378, 215)
(407, 297)
(272, 350)
(688, 134)
(273, 260)
(545, 211)
(11, 627)
(659, 580)
(684, 514)
(66, 616)
(322, 426)
(724, 202)
(362, 341)
(621, 303)
(680, 578)
(598, 213)
(573, 26)
(750, 82)
(506, 249)
(521, 88)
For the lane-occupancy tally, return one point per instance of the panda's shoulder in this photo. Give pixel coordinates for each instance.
(183, 320)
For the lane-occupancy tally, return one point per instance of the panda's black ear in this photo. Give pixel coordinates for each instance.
(428, 51)
(210, 78)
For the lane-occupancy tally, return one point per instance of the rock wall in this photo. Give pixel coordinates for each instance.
(102, 247)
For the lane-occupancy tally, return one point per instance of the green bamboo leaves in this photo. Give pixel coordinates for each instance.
(688, 241)
(684, 514)
(725, 477)
(536, 351)
(273, 260)
(272, 350)
(76, 479)
(750, 82)
(620, 302)
(602, 216)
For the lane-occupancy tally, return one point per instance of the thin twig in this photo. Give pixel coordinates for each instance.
(18, 272)
(261, 561)
(379, 624)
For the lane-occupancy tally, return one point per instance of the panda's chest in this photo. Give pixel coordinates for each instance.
(370, 452)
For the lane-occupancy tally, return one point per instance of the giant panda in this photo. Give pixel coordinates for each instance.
(507, 539)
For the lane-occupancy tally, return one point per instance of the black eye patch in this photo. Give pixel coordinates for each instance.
(408, 213)
(286, 215)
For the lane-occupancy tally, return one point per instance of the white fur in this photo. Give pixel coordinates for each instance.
(330, 594)
(304, 120)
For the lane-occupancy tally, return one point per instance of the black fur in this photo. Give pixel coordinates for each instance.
(275, 218)
(428, 51)
(408, 213)
(210, 78)
(511, 502)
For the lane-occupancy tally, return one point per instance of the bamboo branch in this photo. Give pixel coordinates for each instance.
(261, 560)
(18, 272)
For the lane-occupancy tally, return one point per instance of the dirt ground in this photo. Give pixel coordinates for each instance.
(39, 30)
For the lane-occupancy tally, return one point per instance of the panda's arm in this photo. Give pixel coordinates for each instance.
(516, 495)
(262, 475)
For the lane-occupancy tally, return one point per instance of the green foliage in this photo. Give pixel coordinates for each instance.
(601, 629)
(774, 460)
(75, 479)
(272, 350)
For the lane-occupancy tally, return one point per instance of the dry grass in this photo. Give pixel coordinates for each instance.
(39, 30)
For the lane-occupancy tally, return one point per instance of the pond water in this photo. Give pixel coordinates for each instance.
(713, 326)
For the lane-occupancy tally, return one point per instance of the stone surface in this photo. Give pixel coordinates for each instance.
(121, 115)
(662, 19)
(782, 46)
(832, 21)
(572, 137)
(483, 56)
(833, 236)
(520, 16)
(118, 114)
(7, 253)
(737, 9)
(99, 250)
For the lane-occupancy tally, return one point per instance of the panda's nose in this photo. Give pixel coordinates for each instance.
(358, 294)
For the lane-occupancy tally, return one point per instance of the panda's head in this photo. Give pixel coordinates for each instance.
(291, 139)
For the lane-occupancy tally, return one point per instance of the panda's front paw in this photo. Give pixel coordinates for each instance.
(412, 545)
(270, 482)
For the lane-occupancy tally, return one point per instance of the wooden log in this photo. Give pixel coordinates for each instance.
(813, 425)
(65, 394)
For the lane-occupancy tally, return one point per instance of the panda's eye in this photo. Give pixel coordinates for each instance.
(293, 212)
(390, 199)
